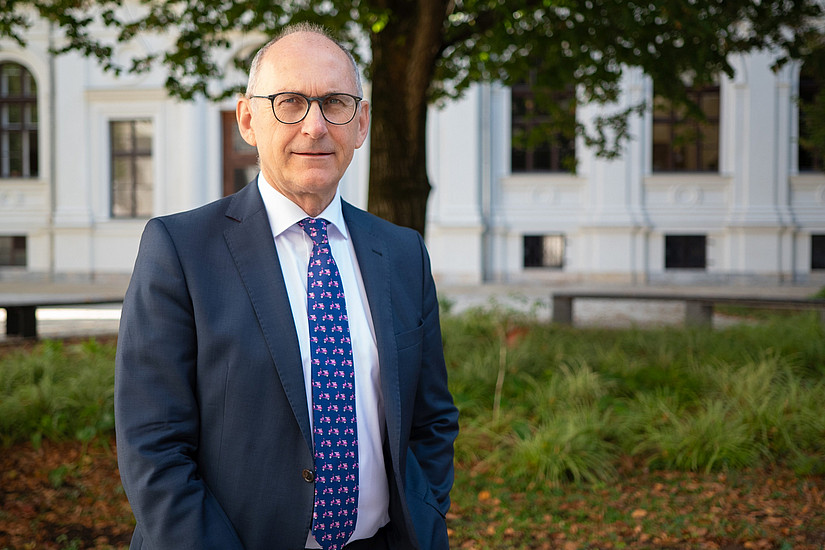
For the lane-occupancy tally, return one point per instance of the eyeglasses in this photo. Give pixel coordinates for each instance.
(292, 107)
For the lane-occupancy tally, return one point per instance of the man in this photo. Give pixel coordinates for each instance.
(233, 399)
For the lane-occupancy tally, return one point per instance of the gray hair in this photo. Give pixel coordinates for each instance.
(255, 66)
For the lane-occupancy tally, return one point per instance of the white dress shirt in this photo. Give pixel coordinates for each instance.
(294, 248)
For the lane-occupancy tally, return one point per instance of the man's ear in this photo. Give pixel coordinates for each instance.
(243, 114)
(363, 123)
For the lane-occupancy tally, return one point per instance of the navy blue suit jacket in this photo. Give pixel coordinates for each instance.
(211, 414)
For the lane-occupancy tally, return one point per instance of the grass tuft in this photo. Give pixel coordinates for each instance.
(57, 391)
(575, 400)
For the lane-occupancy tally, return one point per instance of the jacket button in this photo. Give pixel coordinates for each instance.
(308, 475)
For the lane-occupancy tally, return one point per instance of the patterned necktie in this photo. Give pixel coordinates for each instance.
(333, 395)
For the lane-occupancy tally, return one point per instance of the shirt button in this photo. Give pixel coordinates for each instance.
(308, 475)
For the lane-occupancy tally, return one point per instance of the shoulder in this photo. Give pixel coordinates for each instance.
(216, 214)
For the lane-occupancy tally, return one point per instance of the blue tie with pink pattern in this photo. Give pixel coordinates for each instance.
(333, 395)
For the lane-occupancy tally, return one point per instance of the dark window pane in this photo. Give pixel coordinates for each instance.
(682, 143)
(537, 146)
(11, 84)
(532, 251)
(817, 251)
(544, 251)
(685, 251)
(13, 251)
(15, 154)
(809, 157)
(33, 154)
(518, 160)
(13, 115)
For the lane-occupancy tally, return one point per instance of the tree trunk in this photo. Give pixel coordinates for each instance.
(403, 60)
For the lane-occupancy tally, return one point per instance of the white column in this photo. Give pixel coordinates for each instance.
(614, 225)
(759, 226)
(456, 167)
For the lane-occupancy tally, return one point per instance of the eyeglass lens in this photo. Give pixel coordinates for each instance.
(291, 108)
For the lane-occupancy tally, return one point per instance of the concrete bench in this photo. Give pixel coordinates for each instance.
(698, 308)
(21, 309)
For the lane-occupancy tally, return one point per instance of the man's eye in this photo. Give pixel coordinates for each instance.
(289, 99)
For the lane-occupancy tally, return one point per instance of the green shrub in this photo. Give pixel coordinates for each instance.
(546, 403)
(57, 392)
(541, 403)
(568, 446)
(710, 438)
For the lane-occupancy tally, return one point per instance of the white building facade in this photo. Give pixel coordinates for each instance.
(87, 158)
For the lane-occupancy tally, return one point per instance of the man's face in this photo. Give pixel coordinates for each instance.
(304, 161)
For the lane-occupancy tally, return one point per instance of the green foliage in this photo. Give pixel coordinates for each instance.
(540, 403)
(557, 44)
(576, 400)
(57, 392)
(570, 445)
(712, 436)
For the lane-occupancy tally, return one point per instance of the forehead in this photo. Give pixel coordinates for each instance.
(306, 62)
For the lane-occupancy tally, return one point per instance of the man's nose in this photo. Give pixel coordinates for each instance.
(315, 123)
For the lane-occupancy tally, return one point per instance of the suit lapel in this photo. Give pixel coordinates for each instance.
(251, 246)
(372, 251)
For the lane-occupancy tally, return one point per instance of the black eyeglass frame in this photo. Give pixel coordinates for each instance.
(309, 100)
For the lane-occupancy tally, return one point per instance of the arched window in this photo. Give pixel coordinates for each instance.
(18, 122)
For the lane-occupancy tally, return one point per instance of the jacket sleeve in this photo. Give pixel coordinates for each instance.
(156, 408)
(435, 419)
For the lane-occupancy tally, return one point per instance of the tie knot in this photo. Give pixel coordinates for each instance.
(316, 228)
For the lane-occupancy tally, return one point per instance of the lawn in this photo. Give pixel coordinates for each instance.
(571, 438)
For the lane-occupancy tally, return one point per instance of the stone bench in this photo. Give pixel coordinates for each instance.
(698, 307)
(21, 309)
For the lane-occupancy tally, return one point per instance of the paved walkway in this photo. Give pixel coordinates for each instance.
(61, 322)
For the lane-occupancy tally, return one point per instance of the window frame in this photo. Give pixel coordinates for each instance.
(807, 161)
(27, 127)
(134, 153)
(680, 123)
(685, 257)
(16, 246)
(560, 150)
(535, 256)
(817, 252)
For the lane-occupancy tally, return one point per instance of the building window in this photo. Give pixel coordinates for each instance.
(683, 143)
(18, 122)
(544, 251)
(132, 168)
(811, 98)
(685, 252)
(543, 130)
(817, 251)
(240, 160)
(12, 251)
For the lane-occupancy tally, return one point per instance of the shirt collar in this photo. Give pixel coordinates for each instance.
(284, 214)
